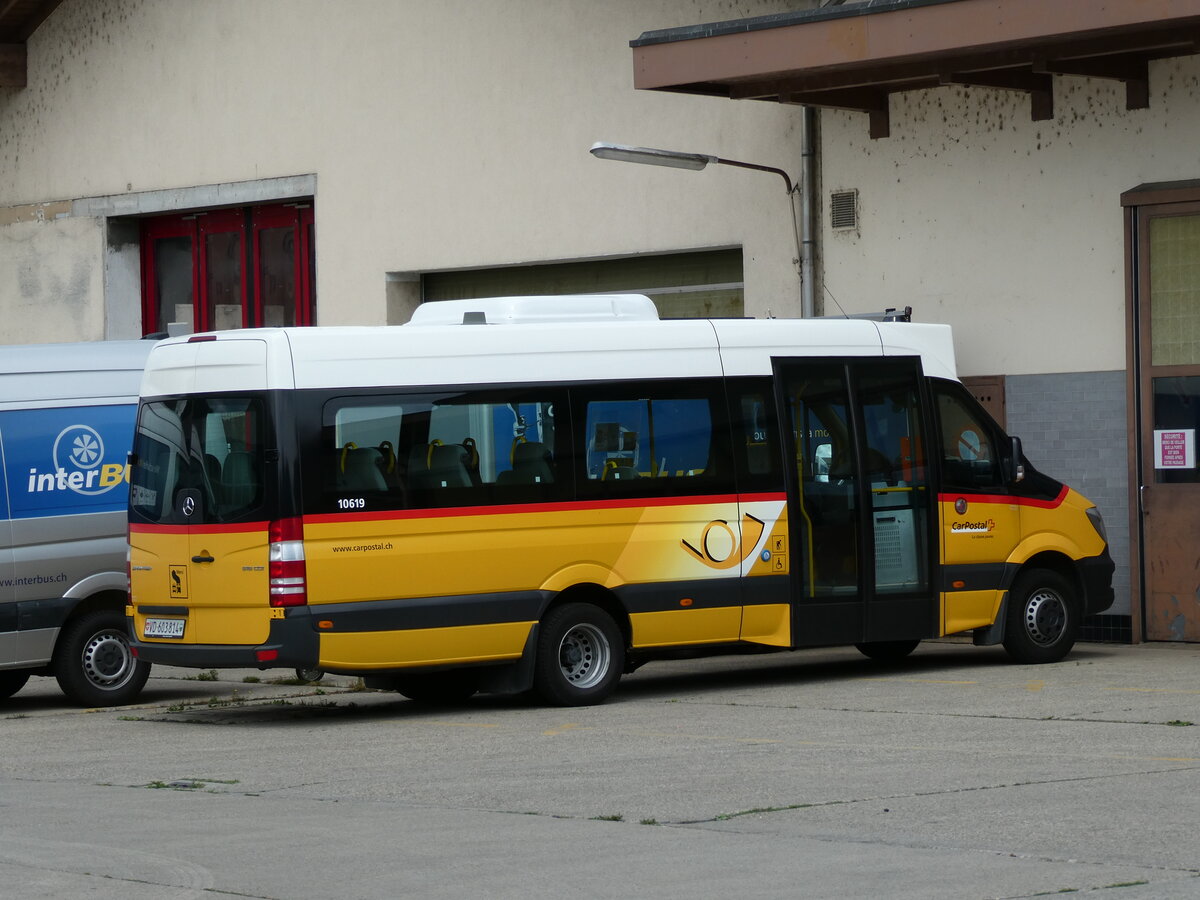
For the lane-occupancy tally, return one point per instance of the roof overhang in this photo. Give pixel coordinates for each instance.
(18, 20)
(855, 56)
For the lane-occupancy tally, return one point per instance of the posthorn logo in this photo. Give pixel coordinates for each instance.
(79, 466)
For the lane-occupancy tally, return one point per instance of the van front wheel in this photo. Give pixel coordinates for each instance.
(93, 663)
(580, 655)
(1043, 617)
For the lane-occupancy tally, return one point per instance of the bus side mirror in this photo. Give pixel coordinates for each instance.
(1014, 471)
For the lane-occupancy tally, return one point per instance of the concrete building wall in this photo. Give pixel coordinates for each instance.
(439, 135)
(1008, 229)
(51, 276)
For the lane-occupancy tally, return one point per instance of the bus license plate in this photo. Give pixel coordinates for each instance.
(163, 628)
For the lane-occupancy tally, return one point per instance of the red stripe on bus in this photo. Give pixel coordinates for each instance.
(516, 508)
(1006, 498)
(234, 528)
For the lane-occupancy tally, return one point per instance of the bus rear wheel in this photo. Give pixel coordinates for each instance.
(886, 651)
(93, 663)
(11, 682)
(1042, 620)
(580, 655)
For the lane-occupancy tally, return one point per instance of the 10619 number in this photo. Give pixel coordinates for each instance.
(351, 503)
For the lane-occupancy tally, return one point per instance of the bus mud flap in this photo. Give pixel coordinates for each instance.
(516, 677)
(994, 633)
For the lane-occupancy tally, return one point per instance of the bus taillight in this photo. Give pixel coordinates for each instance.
(289, 586)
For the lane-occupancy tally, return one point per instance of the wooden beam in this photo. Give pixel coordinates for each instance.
(1038, 85)
(1134, 70)
(869, 100)
(12, 65)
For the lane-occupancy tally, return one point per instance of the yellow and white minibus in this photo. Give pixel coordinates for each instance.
(543, 493)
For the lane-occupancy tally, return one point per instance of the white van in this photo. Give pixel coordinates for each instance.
(66, 423)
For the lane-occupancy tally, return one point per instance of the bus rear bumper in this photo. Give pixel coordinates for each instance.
(291, 644)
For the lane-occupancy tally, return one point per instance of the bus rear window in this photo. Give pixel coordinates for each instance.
(209, 449)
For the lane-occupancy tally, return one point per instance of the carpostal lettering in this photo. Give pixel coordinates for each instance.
(106, 476)
(363, 548)
(972, 527)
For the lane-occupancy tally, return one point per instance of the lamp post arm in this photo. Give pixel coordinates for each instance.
(792, 190)
(745, 165)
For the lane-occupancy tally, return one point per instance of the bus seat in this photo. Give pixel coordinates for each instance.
(361, 470)
(388, 464)
(448, 466)
(619, 470)
(240, 485)
(531, 464)
(212, 468)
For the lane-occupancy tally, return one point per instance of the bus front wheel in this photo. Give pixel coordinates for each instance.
(580, 655)
(1043, 618)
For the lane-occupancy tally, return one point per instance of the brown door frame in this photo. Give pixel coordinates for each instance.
(1135, 204)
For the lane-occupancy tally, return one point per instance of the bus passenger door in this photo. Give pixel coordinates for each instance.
(859, 500)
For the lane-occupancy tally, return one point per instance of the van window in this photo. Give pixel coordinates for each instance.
(661, 439)
(209, 449)
(428, 451)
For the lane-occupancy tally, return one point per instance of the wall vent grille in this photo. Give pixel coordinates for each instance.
(843, 209)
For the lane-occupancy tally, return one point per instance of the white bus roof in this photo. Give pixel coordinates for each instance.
(606, 347)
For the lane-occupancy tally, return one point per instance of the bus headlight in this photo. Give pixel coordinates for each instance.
(1097, 521)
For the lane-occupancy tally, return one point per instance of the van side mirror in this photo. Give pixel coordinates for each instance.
(1013, 470)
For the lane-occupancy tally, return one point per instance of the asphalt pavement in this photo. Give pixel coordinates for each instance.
(817, 774)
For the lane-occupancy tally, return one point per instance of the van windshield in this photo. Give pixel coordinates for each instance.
(198, 460)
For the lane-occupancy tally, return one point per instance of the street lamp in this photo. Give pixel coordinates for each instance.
(676, 159)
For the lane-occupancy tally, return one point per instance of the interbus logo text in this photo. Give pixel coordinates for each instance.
(78, 457)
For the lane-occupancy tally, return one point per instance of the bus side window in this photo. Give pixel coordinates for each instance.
(652, 440)
(756, 438)
(969, 457)
(359, 439)
(431, 451)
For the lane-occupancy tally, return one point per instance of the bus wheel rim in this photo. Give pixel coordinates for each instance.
(584, 656)
(1045, 616)
(107, 662)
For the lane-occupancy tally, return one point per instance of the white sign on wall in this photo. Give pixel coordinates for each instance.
(1175, 448)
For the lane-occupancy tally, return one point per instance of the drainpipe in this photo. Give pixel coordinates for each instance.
(808, 206)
